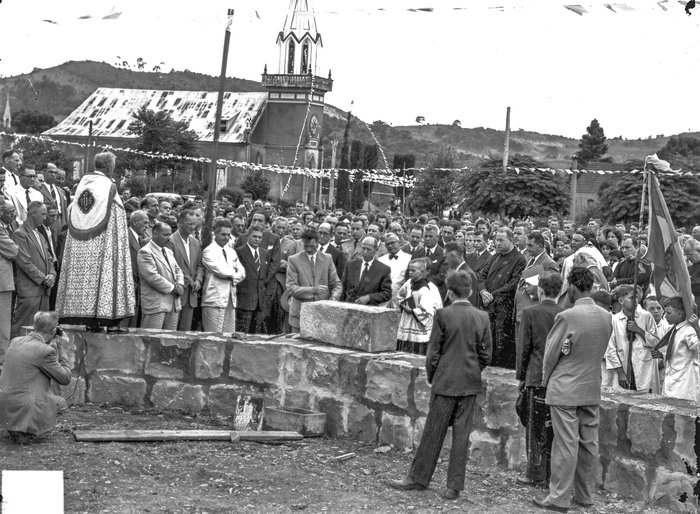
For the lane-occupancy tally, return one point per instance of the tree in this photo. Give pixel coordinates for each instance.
(32, 122)
(486, 188)
(592, 145)
(433, 189)
(39, 152)
(257, 185)
(682, 152)
(159, 132)
(620, 198)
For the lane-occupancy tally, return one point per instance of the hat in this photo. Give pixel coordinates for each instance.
(284, 301)
(532, 275)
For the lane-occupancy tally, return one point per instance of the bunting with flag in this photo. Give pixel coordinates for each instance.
(671, 277)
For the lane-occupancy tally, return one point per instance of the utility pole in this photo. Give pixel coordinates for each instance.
(331, 187)
(506, 143)
(211, 193)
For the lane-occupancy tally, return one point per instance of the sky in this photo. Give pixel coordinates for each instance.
(634, 66)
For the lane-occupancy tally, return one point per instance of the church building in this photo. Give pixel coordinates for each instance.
(259, 127)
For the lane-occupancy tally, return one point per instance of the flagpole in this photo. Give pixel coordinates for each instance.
(637, 260)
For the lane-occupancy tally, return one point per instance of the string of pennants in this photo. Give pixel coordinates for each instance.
(389, 177)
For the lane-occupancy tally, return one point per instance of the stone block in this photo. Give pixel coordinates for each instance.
(74, 393)
(209, 359)
(396, 430)
(249, 413)
(352, 375)
(672, 491)
(257, 362)
(168, 394)
(335, 424)
(124, 353)
(322, 367)
(293, 365)
(222, 399)
(685, 441)
(421, 392)
(516, 450)
(68, 349)
(370, 329)
(644, 429)
(387, 382)
(484, 449)
(361, 422)
(299, 399)
(418, 428)
(499, 405)
(607, 432)
(112, 389)
(168, 357)
(627, 478)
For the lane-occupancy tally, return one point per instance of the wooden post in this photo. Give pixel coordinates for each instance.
(331, 188)
(506, 143)
(87, 150)
(574, 186)
(211, 193)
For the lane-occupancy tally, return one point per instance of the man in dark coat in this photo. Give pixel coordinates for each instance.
(436, 254)
(535, 324)
(458, 351)
(250, 293)
(498, 282)
(367, 281)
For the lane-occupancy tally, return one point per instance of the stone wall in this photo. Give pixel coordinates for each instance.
(648, 448)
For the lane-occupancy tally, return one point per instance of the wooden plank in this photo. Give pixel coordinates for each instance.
(184, 435)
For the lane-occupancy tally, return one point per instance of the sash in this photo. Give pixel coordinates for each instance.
(89, 213)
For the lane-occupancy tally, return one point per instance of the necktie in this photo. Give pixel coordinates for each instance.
(29, 200)
(671, 345)
(364, 271)
(630, 369)
(52, 190)
(166, 259)
(256, 261)
(223, 250)
(428, 253)
(196, 235)
(393, 257)
(313, 262)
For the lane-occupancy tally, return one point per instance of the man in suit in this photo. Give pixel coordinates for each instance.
(398, 261)
(271, 244)
(311, 276)
(436, 254)
(480, 258)
(223, 272)
(162, 282)
(458, 351)
(353, 248)
(149, 205)
(54, 194)
(11, 164)
(250, 293)
(367, 281)
(415, 240)
(455, 262)
(188, 255)
(23, 194)
(137, 239)
(325, 231)
(8, 253)
(537, 320)
(28, 407)
(288, 247)
(499, 282)
(51, 239)
(35, 274)
(571, 373)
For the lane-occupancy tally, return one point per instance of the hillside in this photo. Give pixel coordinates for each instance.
(60, 89)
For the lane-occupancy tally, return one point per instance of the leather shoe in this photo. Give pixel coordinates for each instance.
(94, 328)
(450, 494)
(526, 480)
(581, 504)
(117, 330)
(406, 485)
(544, 504)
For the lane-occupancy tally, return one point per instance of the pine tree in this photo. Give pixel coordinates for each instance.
(592, 145)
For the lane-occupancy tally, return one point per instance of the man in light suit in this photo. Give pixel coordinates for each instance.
(23, 194)
(54, 194)
(8, 253)
(571, 373)
(11, 164)
(35, 274)
(250, 293)
(458, 351)
(311, 276)
(325, 231)
(367, 281)
(223, 272)
(188, 255)
(398, 261)
(162, 281)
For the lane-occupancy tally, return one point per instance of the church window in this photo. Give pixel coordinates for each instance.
(305, 64)
(290, 56)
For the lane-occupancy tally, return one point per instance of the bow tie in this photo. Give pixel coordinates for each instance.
(393, 257)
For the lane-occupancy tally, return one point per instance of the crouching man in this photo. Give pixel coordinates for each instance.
(27, 406)
(458, 351)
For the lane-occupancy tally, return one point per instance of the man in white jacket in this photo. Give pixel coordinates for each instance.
(222, 272)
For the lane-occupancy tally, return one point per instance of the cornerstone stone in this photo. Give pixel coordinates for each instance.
(104, 389)
(113, 352)
(173, 395)
(370, 329)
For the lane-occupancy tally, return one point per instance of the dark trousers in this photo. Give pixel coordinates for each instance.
(186, 314)
(276, 316)
(538, 434)
(25, 309)
(444, 411)
(250, 322)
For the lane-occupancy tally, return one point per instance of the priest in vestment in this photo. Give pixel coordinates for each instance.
(96, 285)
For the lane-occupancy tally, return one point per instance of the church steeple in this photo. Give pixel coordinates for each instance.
(299, 40)
(7, 117)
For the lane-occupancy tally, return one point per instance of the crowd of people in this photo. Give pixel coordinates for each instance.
(112, 263)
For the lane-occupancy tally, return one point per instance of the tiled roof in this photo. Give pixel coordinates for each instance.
(111, 111)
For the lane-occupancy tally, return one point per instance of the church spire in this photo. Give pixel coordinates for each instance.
(299, 40)
(7, 117)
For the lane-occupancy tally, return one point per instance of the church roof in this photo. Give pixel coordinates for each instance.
(299, 21)
(111, 111)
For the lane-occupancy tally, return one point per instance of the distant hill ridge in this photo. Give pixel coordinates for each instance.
(60, 89)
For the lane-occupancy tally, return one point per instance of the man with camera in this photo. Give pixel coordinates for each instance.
(27, 405)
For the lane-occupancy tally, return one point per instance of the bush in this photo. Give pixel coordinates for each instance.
(234, 194)
(257, 185)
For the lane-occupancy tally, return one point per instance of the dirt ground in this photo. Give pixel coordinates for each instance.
(220, 477)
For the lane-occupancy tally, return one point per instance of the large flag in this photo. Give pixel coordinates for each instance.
(671, 277)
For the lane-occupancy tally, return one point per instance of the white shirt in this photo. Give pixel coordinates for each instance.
(398, 270)
(186, 244)
(18, 197)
